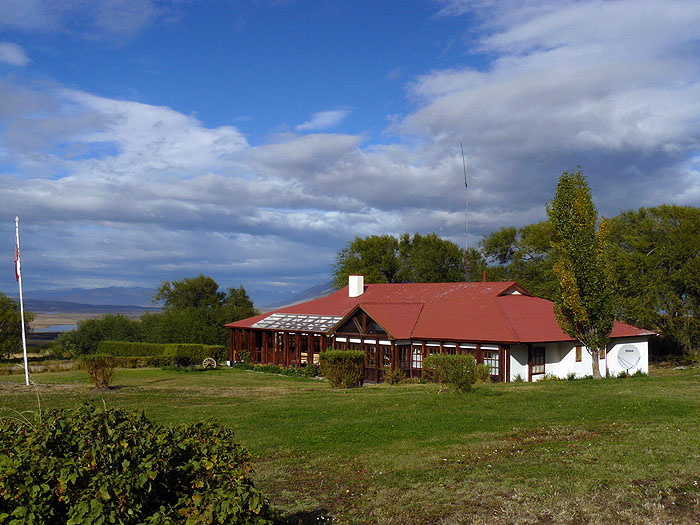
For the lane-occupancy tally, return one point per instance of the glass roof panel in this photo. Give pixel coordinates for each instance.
(312, 323)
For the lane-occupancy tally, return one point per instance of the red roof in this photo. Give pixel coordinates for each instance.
(501, 312)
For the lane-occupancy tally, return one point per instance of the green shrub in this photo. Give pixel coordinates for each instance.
(244, 356)
(174, 354)
(549, 377)
(311, 370)
(342, 368)
(128, 348)
(518, 379)
(122, 468)
(86, 337)
(459, 371)
(483, 373)
(100, 368)
(393, 377)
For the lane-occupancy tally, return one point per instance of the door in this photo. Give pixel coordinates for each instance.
(536, 361)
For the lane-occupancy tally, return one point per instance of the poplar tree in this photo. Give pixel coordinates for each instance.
(584, 304)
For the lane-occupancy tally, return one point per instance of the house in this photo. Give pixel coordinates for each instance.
(399, 325)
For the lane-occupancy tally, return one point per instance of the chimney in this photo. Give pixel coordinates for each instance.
(356, 285)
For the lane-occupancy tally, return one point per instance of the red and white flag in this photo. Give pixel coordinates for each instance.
(18, 270)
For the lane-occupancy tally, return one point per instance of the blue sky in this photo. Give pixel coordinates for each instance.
(143, 140)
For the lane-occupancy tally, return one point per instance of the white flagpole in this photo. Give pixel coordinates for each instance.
(21, 301)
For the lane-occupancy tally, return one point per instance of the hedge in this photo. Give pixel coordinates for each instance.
(122, 468)
(179, 351)
(458, 371)
(342, 368)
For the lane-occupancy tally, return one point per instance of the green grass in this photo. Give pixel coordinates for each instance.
(619, 450)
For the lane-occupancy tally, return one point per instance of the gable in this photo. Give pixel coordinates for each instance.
(360, 323)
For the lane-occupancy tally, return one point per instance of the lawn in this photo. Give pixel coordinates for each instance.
(617, 450)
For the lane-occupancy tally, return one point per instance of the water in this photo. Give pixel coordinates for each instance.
(57, 328)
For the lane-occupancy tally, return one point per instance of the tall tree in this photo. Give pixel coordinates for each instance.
(376, 257)
(656, 259)
(386, 259)
(522, 255)
(429, 259)
(195, 311)
(584, 306)
(11, 326)
(192, 292)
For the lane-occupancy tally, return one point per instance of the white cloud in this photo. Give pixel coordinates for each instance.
(13, 54)
(114, 20)
(569, 83)
(324, 120)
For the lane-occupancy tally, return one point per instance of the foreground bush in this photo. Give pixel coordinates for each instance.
(88, 465)
(100, 368)
(342, 368)
(459, 371)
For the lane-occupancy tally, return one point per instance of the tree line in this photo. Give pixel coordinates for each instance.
(654, 255)
(194, 311)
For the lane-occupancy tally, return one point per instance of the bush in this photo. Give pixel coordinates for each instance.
(86, 337)
(175, 354)
(459, 371)
(128, 348)
(311, 370)
(342, 368)
(100, 368)
(483, 373)
(393, 377)
(244, 356)
(122, 468)
(195, 352)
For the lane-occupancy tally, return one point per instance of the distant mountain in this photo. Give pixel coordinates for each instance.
(63, 307)
(110, 296)
(320, 290)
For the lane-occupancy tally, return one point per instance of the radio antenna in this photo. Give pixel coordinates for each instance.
(466, 217)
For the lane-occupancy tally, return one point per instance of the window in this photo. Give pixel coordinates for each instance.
(601, 353)
(538, 360)
(578, 354)
(417, 357)
(491, 358)
(370, 356)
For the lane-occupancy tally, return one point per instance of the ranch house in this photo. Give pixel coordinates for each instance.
(398, 325)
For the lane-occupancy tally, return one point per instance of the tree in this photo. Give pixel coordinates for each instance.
(429, 259)
(522, 255)
(386, 259)
(11, 326)
(195, 311)
(656, 260)
(111, 327)
(584, 306)
(193, 292)
(376, 257)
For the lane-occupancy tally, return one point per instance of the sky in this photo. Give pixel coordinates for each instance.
(143, 140)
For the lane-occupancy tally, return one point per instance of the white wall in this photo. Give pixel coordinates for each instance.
(518, 361)
(560, 359)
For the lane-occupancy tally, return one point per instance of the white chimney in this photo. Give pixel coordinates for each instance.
(356, 285)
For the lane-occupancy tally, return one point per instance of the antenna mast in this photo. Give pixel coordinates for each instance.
(466, 217)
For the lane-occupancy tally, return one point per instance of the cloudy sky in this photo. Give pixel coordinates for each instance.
(143, 140)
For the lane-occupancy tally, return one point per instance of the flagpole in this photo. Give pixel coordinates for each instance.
(21, 301)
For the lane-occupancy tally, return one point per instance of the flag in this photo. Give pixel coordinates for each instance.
(17, 263)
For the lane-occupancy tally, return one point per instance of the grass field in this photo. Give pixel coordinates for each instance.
(618, 450)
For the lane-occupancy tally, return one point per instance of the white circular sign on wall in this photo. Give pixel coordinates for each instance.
(628, 356)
